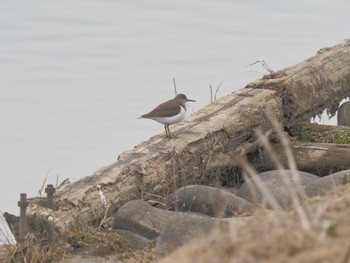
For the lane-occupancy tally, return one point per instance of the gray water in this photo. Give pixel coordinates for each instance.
(75, 75)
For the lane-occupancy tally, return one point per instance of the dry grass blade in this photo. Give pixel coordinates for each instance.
(263, 189)
(293, 187)
(43, 185)
(175, 86)
(213, 97)
(296, 190)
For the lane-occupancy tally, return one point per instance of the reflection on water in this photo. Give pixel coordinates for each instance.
(76, 75)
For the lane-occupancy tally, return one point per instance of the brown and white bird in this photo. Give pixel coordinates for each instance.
(170, 112)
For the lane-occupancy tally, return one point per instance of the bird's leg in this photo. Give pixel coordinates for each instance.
(167, 130)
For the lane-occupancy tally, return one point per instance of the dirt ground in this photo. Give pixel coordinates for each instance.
(271, 237)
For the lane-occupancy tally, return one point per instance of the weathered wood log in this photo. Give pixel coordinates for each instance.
(317, 158)
(160, 165)
(316, 84)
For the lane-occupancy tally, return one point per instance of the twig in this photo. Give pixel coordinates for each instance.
(213, 98)
(105, 204)
(174, 177)
(154, 195)
(104, 217)
(175, 86)
(264, 65)
(217, 89)
(42, 187)
(57, 177)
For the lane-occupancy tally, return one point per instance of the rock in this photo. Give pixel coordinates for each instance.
(344, 114)
(324, 184)
(209, 201)
(182, 229)
(143, 219)
(273, 180)
(136, 241)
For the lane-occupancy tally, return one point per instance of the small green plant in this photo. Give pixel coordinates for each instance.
(332, 229)
(343, 137)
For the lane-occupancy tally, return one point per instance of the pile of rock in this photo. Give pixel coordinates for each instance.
(197, 209)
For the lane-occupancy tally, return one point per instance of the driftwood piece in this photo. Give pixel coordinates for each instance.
(316, 84)
(158, 166)
(317, 158)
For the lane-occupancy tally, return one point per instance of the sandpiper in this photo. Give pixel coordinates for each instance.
(170, 112)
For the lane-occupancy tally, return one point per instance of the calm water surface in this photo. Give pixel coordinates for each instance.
(75, 75)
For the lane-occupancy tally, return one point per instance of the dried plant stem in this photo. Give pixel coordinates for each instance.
(44, 182)
(104, 217)
(217, 90)
(264, 65)
(263, 189)
(213, 97)
(294, 187)
(175, 86)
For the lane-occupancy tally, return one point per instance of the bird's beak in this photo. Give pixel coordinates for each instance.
(191, 100)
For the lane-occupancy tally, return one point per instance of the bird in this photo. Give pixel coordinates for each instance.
(169, 112)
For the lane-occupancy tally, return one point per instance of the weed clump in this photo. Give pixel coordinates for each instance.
(343, 136)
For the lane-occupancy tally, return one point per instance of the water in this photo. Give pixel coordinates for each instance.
(75, 75)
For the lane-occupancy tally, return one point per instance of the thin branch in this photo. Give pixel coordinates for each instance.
(262, 64)
(42, 187)
(175, 86)
(217, 89)
(57, 178)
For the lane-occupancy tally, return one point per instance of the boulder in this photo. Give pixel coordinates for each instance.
(326, 183)
(274, 182)
(344, 114)
(210, 201)
(181, 230)
(136, 242)
(143, 219)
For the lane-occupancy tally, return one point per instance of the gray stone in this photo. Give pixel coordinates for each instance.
(209, 201)
(324, 184)
(344, 114)
(274, 182)
(135, 241)
(143, 219)
(182, 229)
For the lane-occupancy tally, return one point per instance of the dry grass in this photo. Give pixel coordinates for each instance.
(315, 230)
(265, 239)
(79, 239)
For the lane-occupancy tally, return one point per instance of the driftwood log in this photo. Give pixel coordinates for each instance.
(155, 168)
(308, 88)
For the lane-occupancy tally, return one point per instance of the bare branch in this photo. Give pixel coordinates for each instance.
(175, 86)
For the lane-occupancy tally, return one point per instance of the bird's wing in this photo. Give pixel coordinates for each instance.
(166, 109)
